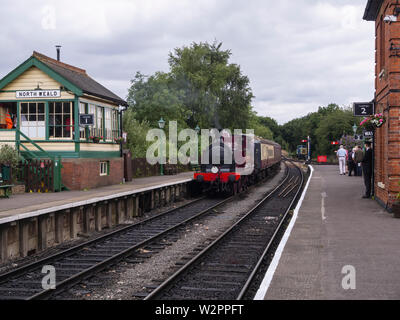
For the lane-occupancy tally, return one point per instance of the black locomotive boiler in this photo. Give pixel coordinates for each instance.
(229, 176)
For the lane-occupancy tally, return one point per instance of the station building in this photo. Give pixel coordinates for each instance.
(385, 14)
(44, 98)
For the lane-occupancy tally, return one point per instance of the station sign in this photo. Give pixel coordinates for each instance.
(28, 94)
(86, 119)
(368, 134)
(363, 109)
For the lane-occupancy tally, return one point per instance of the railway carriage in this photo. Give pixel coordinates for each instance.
(227, 175)
(301, 152)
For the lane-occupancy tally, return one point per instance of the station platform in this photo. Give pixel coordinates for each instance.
(20, 205)
(341, 247)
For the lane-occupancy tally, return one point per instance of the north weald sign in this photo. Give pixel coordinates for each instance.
(363, 109)
(26, 94)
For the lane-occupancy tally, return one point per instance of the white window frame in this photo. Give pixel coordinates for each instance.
(104, 168)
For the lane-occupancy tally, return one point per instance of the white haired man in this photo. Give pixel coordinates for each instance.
(342, 154)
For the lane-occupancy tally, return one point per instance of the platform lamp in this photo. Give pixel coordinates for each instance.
(355, 129)
(161, 125)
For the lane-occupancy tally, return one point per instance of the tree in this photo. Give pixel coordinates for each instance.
(332, 128)
(260, 129)
(324, 126)
(136, 131)
(216, 94)
(154, 97)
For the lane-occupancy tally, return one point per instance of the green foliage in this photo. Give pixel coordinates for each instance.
(9, 156)
(137, 131)
(261, 127)
(153, 97)
(201, 89)
(328, 124)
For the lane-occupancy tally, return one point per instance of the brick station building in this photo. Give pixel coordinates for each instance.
(387, 97)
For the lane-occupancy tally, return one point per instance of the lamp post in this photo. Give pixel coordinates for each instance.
(355, 129)
(161, 125)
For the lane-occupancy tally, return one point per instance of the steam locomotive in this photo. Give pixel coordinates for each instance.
(223, 173)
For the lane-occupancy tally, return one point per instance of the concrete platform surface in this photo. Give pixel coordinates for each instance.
(29, 202)
(341, 246)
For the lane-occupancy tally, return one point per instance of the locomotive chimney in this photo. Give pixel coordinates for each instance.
(58, 47)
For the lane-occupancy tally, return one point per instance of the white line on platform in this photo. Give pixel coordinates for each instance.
(262, 291)
(323, 195)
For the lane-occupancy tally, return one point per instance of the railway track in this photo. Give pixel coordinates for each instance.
(77, 263)
(226, 268)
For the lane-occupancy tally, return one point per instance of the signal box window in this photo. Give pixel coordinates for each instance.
(33, 120)
(61, 120)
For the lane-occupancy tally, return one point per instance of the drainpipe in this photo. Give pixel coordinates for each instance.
(120, 110)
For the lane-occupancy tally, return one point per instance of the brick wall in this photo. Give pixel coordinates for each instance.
(387, 98)
(79, 174)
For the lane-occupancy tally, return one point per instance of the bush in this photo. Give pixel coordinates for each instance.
(137, 132)
(9, 156)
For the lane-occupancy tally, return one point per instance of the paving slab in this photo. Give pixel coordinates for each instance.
(30, 202)
(335, 231)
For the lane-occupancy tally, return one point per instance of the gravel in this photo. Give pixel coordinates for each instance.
(125, 281)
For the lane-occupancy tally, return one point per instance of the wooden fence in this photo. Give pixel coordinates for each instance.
(38, 175)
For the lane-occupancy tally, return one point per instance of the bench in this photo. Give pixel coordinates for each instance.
(7, 190)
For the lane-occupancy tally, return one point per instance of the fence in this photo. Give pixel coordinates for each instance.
(141, 168)
(40, 175)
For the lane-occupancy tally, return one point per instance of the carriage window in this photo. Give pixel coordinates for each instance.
(33, 120)
(61, 120)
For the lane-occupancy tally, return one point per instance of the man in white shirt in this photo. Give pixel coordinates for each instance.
(341, 154)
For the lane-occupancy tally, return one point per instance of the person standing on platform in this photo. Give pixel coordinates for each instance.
(367, 169)
(358, 157)
(341, 154)
(350, 162)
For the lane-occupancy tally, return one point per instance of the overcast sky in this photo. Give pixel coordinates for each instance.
(298, 54)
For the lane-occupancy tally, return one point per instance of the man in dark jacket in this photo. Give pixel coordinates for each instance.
(358, 157)
(367, 169)
(350, 163)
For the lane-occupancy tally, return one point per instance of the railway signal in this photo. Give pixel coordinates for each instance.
(304, 141)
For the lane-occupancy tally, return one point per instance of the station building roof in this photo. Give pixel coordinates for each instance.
(372, 9)
(73, 78)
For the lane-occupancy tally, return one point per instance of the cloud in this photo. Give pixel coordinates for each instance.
(298, 54)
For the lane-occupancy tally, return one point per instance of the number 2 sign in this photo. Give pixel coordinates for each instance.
(363, 109)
